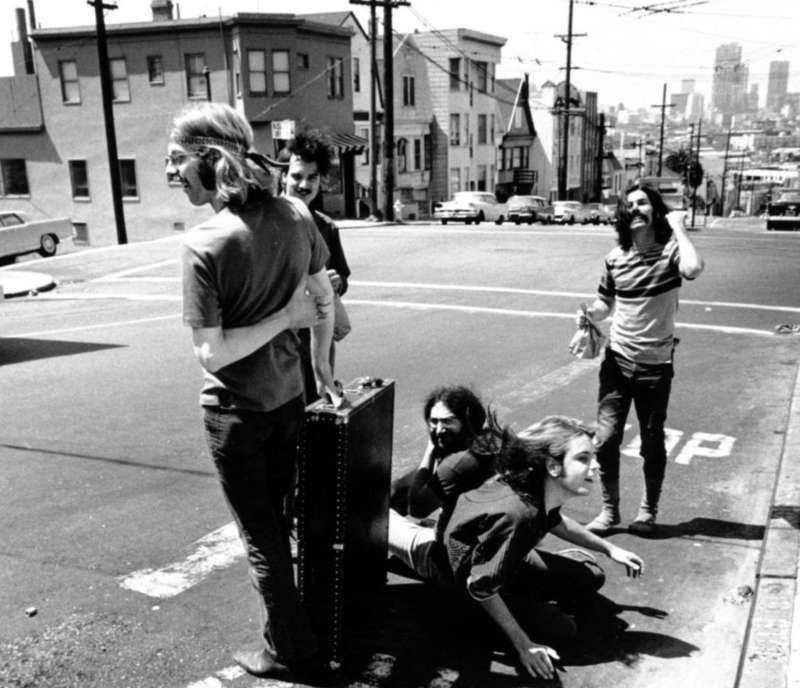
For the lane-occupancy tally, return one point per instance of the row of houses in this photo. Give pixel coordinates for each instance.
(456, 126)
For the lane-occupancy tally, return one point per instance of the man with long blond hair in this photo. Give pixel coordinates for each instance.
(252, 274)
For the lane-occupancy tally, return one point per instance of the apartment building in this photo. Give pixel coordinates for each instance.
(461, 66)
(280, 71)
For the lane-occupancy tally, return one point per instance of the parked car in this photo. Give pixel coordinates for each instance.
(602, 213)
(19, 235)
(530, 209)
(472, 206)
(570, 212)
(784, 212)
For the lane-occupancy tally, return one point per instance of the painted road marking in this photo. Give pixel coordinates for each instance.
(537, 314)
(540, 292)
(705, 444)
(213, 552)
(117, 276)
(93, 327)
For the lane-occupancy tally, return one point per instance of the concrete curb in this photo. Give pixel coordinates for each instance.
(771, 654)
(19, 283)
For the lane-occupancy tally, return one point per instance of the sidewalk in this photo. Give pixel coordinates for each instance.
(771, 654)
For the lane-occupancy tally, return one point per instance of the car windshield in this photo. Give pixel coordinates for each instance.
(791, 197)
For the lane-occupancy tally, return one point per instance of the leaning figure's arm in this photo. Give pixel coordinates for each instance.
(319, 286)
(216, 347)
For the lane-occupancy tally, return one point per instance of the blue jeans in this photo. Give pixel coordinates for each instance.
(255, 454)
(623, 382)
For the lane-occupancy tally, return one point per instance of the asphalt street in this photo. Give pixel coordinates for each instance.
(104, 477)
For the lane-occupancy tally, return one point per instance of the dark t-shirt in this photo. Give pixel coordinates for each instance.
(489, 534)
(239, 268)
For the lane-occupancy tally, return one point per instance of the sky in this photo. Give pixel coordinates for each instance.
(621, 51)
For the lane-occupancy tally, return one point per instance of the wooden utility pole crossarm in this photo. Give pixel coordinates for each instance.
(108, 113)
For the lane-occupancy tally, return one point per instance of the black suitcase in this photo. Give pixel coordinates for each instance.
(344, 473)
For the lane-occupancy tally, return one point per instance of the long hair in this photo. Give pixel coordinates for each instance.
(660, 211)
(236, 180)
(465, 405)
(521, 461)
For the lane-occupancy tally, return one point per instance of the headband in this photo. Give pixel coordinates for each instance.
(259, 159)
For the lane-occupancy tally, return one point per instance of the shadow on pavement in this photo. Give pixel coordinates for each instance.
(702, 527)
(424, 638)
(19, 349)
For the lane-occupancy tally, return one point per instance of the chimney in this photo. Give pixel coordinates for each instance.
(22, 31)
(162, 10)
(31, 16)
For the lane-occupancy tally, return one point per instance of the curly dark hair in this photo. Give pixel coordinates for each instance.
(660, 212)
(310, 145)
(465, 405)
(521, 461)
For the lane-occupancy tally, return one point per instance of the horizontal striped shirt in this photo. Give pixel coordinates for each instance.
(643, 285)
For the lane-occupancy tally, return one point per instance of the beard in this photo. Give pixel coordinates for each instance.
(450, 442)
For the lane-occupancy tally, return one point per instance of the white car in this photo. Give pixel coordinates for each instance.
(472, 206)
(570, 212)
(20, 235)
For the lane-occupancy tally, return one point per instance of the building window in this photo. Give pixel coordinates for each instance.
(302, 61)
(70, 87)
(402, 155)
(427, 140)
(482, 130)
(14, 178)
(155, 69)
(455, 74)
(417, 154)
(409, 95)
(195, 79)
(79, 176)
(281, 82)
(491, 130)
(335, 77)
(483, 74)
(237, 70)
(356, 75)
(127, 175)
(455, 130)
(120, 89)
(257, 68)
(467, 138)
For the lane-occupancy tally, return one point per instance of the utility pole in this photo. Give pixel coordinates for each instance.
(697, 160)
(687, 173)
(663, 107)
(108, 112)
(373, 111)
(388, 97)
(725, 174)
(564, 157)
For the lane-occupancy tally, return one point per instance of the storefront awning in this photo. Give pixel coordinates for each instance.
(349, 143)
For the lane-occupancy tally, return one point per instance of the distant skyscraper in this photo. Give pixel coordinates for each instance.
(777, 86)
(694, 107)
(687, 86)
(729, 87)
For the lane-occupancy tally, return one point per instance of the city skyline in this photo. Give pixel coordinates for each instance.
(622, 55)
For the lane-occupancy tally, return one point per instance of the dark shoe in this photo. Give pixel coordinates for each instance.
(261, 663)
(643, 524)
(313, 672)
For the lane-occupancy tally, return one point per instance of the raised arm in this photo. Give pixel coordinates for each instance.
(691, 262)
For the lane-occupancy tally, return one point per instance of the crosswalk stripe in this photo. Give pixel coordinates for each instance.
(213, 552)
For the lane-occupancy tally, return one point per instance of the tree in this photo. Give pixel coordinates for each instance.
(685, 163)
